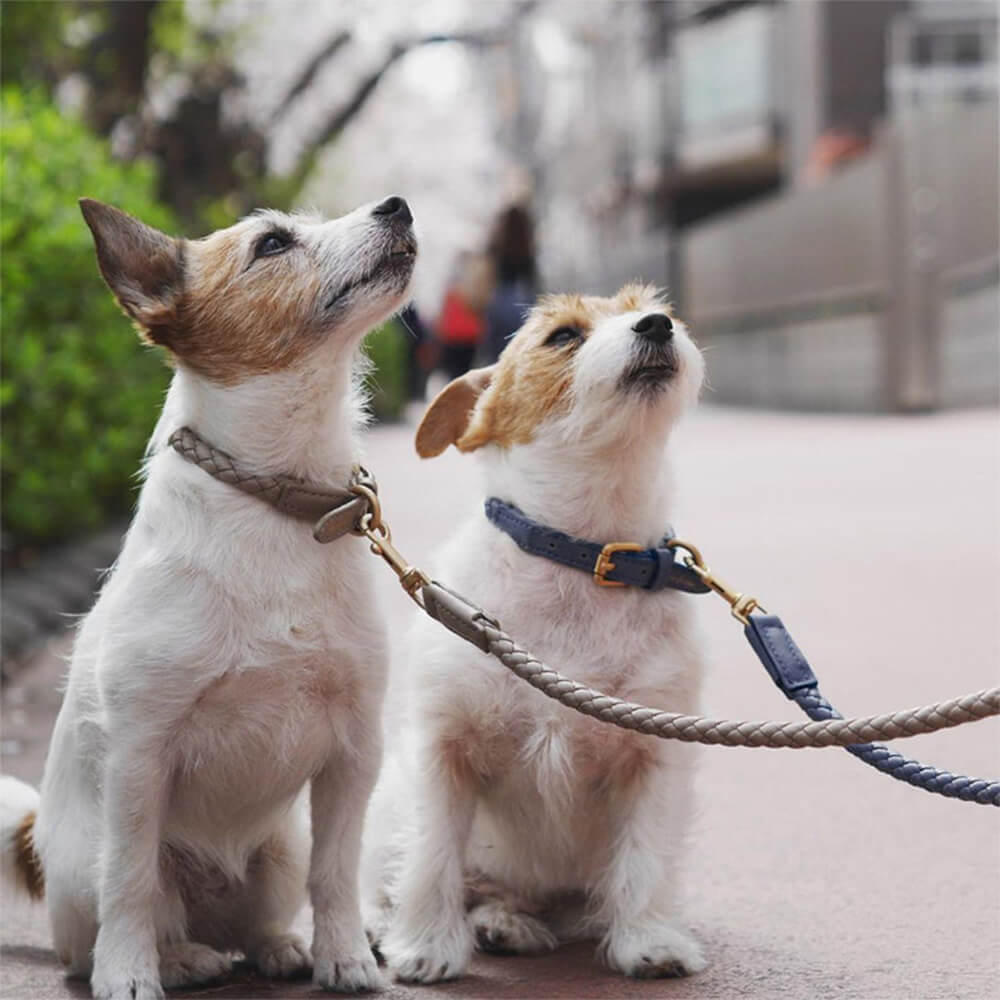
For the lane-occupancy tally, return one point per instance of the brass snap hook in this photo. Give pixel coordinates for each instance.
(741, 605)
(372, 527)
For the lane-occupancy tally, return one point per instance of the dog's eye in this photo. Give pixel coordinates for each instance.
(272, 243)
(562, 336)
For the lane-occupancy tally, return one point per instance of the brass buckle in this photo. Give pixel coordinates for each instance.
(604, 565)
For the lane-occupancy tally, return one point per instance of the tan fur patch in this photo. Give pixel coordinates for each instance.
(532, 380)
(26, 861)
(448, 416)
(238, 320)
(224, 313)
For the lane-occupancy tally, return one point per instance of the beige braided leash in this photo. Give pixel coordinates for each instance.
(483, 630)
(735, 733)
(335, 511)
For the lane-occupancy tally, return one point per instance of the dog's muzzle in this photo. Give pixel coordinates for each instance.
(655, 360)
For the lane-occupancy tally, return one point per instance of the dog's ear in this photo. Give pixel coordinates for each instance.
(447, 419)
(143, 267)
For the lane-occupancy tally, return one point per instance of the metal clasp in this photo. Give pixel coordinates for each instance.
(377, 532)
(741, 605)
(604, 565)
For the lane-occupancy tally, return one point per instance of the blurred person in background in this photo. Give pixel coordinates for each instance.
(419, 351)
(512, 252)
(461, 324)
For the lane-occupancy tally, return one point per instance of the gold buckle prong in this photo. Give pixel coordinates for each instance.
(604, 565)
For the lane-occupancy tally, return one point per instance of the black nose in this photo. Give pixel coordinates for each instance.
(655, 327)
(394, 208)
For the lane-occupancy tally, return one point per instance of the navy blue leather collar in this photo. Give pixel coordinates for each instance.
(651, 569)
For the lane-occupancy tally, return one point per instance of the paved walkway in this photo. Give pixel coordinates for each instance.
(877, 541)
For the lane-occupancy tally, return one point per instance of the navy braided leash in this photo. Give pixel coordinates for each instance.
(790, 670)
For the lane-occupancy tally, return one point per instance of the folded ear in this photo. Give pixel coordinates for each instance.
(142, 266)
(448, 417)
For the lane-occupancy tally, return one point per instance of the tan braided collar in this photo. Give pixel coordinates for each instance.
(332, 510)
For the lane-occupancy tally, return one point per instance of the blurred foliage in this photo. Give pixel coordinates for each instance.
(79, 394)
(389, 351)
(105, 58)
(32, 42)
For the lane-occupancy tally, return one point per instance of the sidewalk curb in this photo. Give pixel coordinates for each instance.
(38, 601)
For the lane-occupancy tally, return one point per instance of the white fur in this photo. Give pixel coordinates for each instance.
(566, 849)
(229, 662)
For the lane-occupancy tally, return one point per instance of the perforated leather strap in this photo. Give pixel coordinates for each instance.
(333, 510)
(654, 568)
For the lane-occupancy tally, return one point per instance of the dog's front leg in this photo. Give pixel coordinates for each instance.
(430, 939)
(638, 892)
(342, 958)
(126, 959)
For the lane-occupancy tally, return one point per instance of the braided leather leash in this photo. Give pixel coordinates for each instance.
(357, 510)
(773, 645)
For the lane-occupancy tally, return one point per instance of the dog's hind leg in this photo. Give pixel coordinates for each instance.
(500, 929)
(254, 914)
(71, 866)
(183, 962)
(275, 892)
(73, 919)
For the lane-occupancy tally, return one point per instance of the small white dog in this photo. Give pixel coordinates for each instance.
(230, 660)
(502, 818)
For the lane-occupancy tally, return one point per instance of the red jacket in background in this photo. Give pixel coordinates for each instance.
(458, 324)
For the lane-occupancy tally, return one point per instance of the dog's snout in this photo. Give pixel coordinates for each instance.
(655, 327)
(394, 209)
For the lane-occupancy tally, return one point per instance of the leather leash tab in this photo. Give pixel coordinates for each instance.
(340, 521)
(776, 649)
(457, 615)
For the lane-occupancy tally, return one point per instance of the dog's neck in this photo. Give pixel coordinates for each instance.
(300, 423)
(622, 494)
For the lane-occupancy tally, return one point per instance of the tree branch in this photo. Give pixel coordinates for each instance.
(366, 87)
(308, 74)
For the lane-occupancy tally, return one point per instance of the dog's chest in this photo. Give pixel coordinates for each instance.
(625, 643)
(301, 673)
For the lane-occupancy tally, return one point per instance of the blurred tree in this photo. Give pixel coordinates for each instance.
(114, 55)
(108, 44)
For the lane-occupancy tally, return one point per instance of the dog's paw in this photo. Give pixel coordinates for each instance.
(188, 963)
(655, 952)
(376, 922)
(128, 987)
(350, 974)
(283, 957)
(429, 957)
(502, 931)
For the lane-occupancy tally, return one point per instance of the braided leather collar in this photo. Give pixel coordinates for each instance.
(616, 564)
(334, 511)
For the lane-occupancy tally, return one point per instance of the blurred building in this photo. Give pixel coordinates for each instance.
(816, 182)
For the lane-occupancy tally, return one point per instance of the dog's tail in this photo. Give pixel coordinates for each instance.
(19, 862)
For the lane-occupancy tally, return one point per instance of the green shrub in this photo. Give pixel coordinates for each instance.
(78, 394)
(388, 350)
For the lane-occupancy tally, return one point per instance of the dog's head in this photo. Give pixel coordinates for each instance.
(605, 371)
(263, 294)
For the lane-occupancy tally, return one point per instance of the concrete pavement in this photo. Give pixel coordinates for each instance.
(876, 539)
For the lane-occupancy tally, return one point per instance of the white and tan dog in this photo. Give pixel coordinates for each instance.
(503, 819)
(230, 661)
